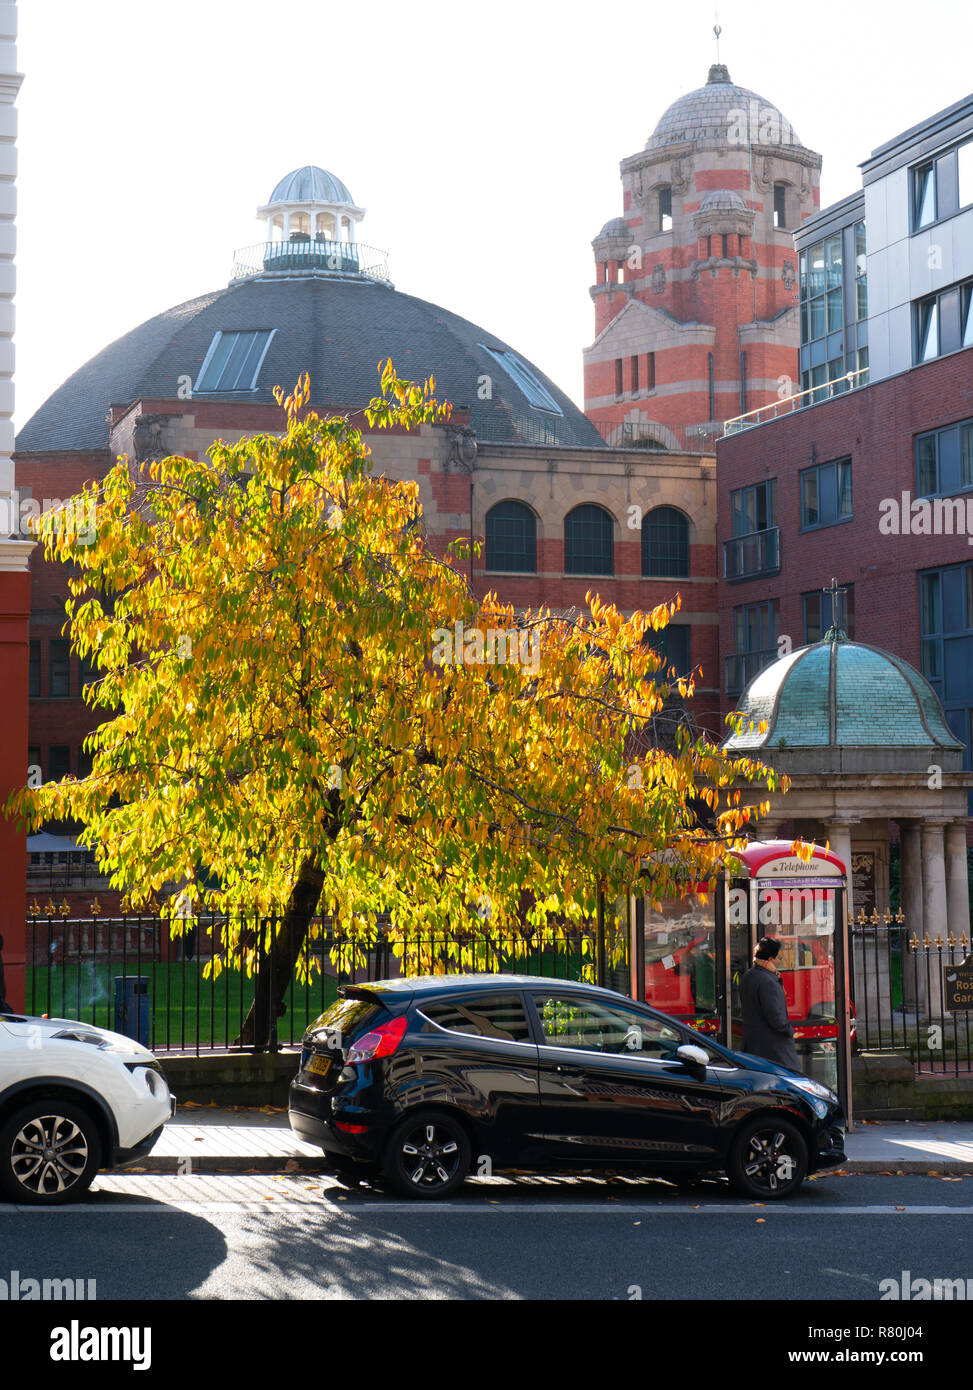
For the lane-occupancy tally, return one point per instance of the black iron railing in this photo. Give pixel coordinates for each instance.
(304, 256)
(185, 987)
(905, 994)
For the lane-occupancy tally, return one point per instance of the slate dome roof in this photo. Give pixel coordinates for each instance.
(335, 329)
(723, 200)
(615, 226)
(310, 184)
(840, 694)
(705, 113)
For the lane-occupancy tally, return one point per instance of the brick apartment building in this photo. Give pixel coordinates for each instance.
(868, 475)
(696, 297)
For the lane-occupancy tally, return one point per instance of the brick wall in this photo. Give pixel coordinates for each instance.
(875, 427)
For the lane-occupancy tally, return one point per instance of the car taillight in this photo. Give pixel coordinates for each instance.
(350, 1129)
(378, 1042)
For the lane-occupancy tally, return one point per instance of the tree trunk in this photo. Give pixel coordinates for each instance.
(276, 966)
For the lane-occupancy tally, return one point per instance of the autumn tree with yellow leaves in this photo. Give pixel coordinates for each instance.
(307, 710)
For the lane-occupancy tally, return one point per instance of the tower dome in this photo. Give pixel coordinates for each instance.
(310, 184)
(722, 112)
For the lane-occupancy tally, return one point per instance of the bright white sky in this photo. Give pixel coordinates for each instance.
(482, 136)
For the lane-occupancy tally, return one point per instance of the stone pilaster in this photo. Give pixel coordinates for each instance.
(913, 979)
(10, 81)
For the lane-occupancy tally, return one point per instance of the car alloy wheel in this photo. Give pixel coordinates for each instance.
(768, 1159)
(49, 1153)
(428, 1155)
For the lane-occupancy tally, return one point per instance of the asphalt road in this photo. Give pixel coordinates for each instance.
(307, 1237)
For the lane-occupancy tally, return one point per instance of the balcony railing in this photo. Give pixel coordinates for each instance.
(790, 404)
(741, 668)
(663, 439)
(745, 557)
(342, 259)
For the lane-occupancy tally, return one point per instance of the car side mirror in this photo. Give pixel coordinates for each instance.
(692, 1055)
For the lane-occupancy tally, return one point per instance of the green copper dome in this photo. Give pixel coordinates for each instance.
(842, 695)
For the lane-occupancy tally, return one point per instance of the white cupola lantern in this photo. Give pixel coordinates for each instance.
(311, 205)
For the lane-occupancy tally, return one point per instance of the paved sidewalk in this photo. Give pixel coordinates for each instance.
(205, 1139)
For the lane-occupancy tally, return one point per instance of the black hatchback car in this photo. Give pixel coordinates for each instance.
(430, 1080)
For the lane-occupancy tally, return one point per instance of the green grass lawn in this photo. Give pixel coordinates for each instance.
(184, 1005)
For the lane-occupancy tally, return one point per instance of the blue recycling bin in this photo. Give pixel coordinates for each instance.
(132, 1007)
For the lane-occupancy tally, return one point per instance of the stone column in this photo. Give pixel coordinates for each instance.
(913, 978)
(838, 832)
(933, 878)
(957, 881)
(933, 902)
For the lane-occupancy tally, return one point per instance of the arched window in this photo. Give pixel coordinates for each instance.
(511, 538)
(780, 205)
(665, 544)
(589, 541)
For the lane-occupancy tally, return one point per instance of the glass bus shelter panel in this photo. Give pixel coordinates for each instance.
(680, 960)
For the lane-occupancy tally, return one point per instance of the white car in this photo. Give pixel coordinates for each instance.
(73, 1098)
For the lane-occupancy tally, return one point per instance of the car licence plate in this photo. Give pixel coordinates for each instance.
(319, 1065)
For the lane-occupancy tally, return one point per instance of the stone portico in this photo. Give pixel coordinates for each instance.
(862, 737)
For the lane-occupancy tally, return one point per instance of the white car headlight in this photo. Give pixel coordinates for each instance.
(79, 1035)
(814, 1088)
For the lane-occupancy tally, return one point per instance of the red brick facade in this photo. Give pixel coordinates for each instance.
(703, 294)
(875, 427)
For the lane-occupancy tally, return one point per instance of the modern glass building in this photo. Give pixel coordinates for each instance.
(833, 282)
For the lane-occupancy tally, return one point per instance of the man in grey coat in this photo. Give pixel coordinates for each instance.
(766, 1029)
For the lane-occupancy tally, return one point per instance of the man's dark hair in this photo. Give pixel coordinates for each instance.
(767, 949)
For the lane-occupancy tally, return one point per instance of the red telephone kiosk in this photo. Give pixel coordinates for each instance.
(803, 904)
(696, 949)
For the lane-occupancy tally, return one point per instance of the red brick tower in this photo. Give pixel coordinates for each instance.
(696, 284)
